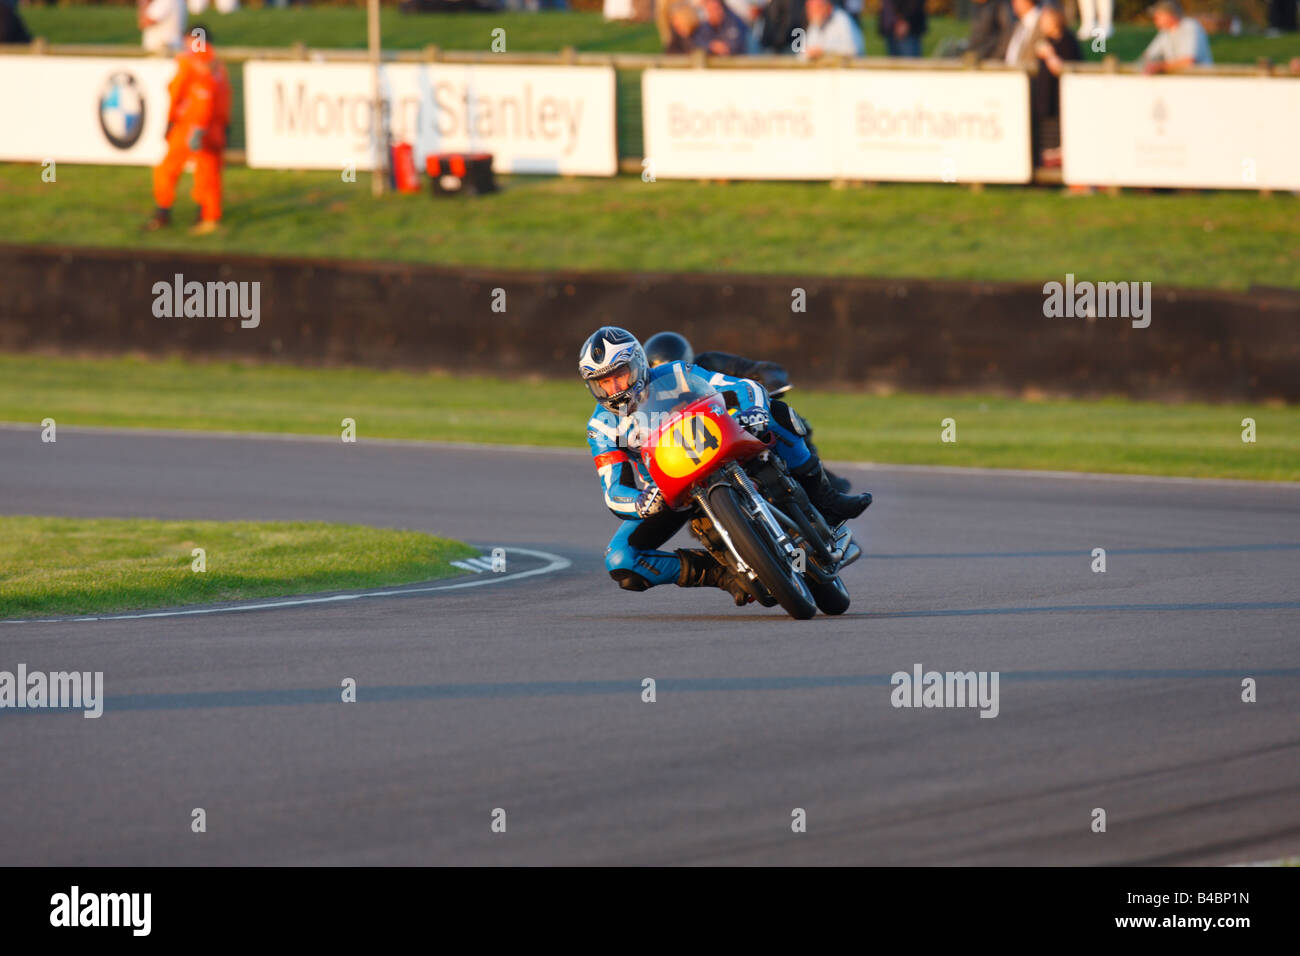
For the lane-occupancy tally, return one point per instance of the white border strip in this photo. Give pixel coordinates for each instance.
(554, 563)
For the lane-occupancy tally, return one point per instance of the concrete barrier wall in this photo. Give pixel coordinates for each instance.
(855, 333)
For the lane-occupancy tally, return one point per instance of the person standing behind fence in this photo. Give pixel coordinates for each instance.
(1180, 43)
(831, 32)
(1057, 47)
(1096, 16)
(780, 20)
(12, 28)
(682, 24)
(722, 33)
(990, 29)
(162, 25)
(196, 130)
(902, 23)
(1026, 35)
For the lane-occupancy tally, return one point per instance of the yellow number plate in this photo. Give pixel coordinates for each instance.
(688, 446)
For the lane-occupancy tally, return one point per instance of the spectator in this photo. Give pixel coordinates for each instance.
(1057, 47)
(779, 21)
(1096, 15)
(162, 25)
(197, 125)
(750, 13)
(990, 29)
(1025, 35)
(663, 16)
(1281, 16)
(902, 23)
(722, 33)
(12, 28)
(831, 32)
(682, 24)
(1180, 43)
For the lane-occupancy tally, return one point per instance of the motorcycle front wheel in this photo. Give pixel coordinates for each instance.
(755, 545)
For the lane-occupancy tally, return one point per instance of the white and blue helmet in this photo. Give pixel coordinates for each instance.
(608, 351)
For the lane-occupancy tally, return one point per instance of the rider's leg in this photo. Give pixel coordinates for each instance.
(632, 559)
(791, 420)
(807, 469)
(634, 562)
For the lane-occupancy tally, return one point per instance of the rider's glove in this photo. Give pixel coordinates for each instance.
(649, 502)
(196, 139)
(756, 421)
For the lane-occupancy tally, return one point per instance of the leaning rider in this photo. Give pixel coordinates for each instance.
(613, 365)
(673, 347)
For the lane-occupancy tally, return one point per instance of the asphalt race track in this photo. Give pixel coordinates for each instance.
(1119, 691)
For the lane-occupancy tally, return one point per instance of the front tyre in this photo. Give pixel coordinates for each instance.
(762, 554)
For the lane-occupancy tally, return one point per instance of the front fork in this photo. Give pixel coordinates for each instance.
(754, 504)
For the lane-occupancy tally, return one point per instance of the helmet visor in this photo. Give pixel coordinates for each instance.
(620, 382)
(614, 382)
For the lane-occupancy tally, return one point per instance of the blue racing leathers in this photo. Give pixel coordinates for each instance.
(633, 558)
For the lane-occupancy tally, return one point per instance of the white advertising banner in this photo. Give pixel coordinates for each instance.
(543, 119)
(941, 126)
(829, 124)
(1226, 132)
(739, 124)
(78, 109)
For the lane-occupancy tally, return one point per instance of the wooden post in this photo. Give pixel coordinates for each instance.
(377, 125)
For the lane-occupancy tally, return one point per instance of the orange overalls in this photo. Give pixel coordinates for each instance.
(200, 112)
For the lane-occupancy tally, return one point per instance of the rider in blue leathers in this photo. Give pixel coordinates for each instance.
(613, 364)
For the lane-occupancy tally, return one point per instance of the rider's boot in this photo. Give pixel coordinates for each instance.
(835, 506)
(702, 570)
(838, 482)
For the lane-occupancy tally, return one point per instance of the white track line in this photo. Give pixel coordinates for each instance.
(554, 563)
(577, 452)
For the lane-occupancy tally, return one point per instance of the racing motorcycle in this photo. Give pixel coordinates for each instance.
(746, 508)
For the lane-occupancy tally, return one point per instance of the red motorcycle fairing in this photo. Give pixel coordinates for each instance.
(692, 442)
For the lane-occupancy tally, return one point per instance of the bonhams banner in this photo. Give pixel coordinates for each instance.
(1226, 132)
(535, 119)
(80, 109)
(939, 126)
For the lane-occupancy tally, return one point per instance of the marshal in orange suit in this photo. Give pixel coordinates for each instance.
(196, 130)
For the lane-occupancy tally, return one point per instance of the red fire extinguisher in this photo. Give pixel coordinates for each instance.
(405, 178)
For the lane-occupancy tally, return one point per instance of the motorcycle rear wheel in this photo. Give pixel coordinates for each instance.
(831, 597)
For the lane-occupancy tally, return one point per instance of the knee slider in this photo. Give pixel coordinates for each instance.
(629, 580)
(619, 558)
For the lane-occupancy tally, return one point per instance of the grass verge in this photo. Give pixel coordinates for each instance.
(1225, 240)
(58, 566)
(1110, 435)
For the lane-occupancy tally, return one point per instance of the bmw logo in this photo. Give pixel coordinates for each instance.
(121, 110)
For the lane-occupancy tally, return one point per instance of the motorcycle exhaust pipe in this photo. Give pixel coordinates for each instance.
(852, 554)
